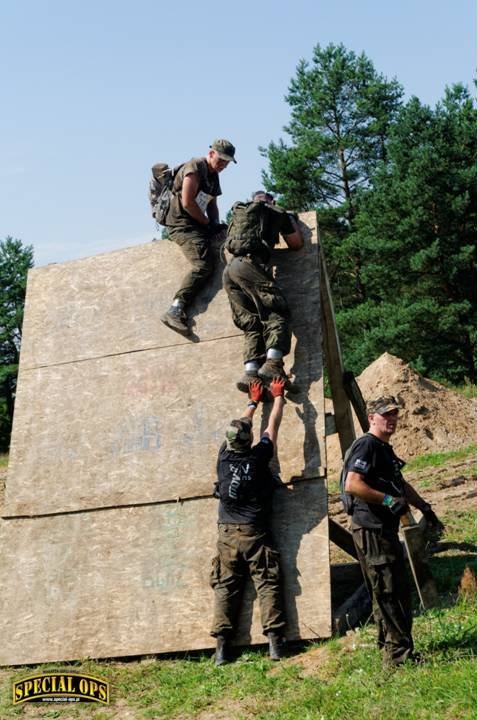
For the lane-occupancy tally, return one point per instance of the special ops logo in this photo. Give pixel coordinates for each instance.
(61, 687)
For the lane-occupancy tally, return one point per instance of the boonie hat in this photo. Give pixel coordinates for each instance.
(238, 435)
(225, 149)
(382, 404)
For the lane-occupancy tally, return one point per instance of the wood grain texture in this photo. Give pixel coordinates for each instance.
(143, 425)
(135, 581)
(115, 411)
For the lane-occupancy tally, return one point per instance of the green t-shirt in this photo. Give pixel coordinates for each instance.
(209, 187)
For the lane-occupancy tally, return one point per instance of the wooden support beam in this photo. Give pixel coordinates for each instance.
(355, 610)
(341, 537)
(334, 362)
(353, 392)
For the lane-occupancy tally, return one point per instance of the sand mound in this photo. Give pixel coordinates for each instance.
(433, 418)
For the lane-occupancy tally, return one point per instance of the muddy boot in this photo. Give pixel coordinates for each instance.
(222, 655)
(274, 368)
(275, 646)
(244, 382)
(176, 319)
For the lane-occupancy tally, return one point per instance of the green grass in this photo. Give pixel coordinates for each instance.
(460, 542)
(333, 680)
(435, 459)
(348, 683)
(468, 389)
(3, 460)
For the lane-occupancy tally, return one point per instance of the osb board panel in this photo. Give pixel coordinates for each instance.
(134, 581)
(112, 303)
(146, 427)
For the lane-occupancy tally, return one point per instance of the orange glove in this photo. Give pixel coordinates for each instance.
(256, 390)
(277, 387)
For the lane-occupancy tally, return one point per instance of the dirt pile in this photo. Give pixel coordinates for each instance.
(433, 418)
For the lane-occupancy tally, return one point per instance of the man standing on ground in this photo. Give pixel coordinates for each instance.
(258, 306)
(244, 487)
(192, 221)
(381, 496)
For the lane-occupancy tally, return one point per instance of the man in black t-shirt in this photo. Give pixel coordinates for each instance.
(192, 221)
(381, 496)
(244, 487)
(259, 307)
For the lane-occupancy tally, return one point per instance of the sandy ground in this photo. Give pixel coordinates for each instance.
(433, 418)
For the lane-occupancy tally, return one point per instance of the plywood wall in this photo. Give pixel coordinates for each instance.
(109, 527)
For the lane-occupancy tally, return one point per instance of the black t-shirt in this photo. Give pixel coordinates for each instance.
(380, 467)
(245, 484)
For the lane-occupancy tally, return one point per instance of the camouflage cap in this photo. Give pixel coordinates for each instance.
(382, 404)
(225, 149)
(238, 435)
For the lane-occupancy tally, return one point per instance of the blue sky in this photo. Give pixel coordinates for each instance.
(93, 93)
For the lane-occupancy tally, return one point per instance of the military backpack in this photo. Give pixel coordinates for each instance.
(160, 190)
(247, 227)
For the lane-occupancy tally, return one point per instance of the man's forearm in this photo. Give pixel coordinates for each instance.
(250, 411)
(213, 212)
(275, 418)
(413, 497)
(195, 212)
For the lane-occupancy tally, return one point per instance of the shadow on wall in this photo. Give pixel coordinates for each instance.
(297, 511)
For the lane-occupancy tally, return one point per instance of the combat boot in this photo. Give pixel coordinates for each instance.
(222, 655)
(244, 382)
(275, 646)
(274, 368)
(176, 319)
(271, 369)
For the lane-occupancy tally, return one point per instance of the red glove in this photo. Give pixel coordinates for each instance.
(256, 390)
(277, 387)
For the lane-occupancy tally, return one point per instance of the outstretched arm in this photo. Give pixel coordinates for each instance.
(294, 240)
(256, 392)
(413, 498)
(277, 388)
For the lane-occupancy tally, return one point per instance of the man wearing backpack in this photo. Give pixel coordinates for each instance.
(192, 220)
(381, 496)
(244, 487)
(258, 306)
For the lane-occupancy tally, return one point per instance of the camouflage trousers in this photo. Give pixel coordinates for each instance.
(382, 561)
(258, 306)
(196, 247)
(245, 550)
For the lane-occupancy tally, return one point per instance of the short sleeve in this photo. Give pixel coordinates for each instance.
(264, 449)
(360, 459)
(189, 167)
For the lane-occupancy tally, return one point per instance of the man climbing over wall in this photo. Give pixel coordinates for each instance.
(192, 220)
(244, 487)
(258, 306)
(381, 496)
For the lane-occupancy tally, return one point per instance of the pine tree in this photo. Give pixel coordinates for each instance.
(15, 261)
(416, 236)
